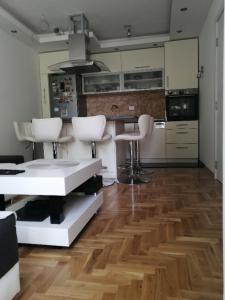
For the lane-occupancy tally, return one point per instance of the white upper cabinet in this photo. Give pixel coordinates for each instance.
(181, 64)
(51, 58)
(111, 60)
(134, 60)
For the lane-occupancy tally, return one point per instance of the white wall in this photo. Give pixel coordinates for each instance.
(19, 91)
(207, 58)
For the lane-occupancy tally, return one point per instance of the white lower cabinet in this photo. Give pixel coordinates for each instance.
(182, 140)
(182, 150)
(153, 146)
(170, 142)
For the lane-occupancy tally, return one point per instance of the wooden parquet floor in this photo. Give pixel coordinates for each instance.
(161, 240)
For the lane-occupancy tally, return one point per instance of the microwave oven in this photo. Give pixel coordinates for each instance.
(182, 105)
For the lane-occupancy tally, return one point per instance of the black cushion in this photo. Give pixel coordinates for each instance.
(8, 244)
(15, 159)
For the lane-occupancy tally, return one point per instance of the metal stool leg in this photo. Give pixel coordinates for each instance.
(131, 178)
(93, 150)
(33, 151)
(54, 147)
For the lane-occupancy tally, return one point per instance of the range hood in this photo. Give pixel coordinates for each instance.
(79, 61)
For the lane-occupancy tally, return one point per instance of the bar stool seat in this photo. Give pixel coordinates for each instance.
(144, 123)
(48, 131)
(90, 129)
(23, 132)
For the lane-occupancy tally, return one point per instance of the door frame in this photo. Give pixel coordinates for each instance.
(216, 98)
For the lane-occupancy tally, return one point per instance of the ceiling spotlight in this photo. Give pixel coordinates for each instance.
(184, 9)
(179, 31)
(128, 29)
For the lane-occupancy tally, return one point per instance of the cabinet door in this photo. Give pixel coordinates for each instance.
(101, 83)
(111, 60)
(181, 64)
(142, 59)
(153, 146)
(51, 58)
(45, 104)
(182, 151)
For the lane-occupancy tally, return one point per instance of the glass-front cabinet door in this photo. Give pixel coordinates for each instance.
(101, 83)
(144, 80)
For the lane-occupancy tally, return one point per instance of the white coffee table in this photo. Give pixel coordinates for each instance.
(55, 179)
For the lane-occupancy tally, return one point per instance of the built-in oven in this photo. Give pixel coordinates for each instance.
(182, 105)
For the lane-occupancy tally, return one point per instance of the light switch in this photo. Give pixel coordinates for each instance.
(131, 107)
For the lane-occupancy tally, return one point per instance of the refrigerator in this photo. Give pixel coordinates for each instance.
(66, 99)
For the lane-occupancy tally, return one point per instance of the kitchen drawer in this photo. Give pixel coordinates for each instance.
(182, 136)
(181, 150)
(182, 125)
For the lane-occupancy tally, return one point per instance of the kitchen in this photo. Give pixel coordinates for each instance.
(140, 81)
(133, 54)
(161, 239)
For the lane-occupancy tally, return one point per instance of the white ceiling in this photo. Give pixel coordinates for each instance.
(106, 17)
(149, 19)
(190, 21)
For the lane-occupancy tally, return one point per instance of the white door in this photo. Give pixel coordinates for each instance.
(219, 100)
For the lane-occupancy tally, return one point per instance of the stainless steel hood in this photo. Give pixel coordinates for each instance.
(79, 61)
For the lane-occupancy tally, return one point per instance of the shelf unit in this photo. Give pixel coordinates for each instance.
(150, 79)
(144, 80)
(101, 83)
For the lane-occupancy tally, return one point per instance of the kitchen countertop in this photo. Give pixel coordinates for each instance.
(125, 119)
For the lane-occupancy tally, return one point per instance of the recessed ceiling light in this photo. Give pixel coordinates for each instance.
(179, 31)
(14, 31)
(184, 9)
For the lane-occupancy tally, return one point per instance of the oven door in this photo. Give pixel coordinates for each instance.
(181, 108)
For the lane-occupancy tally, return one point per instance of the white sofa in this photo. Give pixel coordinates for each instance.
(9, 264)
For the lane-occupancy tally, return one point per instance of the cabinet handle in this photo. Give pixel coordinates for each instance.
(181, 147)
(180, 125)
(167, 81)
(183, 132)
(142, 67)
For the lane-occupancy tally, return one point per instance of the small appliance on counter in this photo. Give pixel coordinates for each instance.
(182, 105)
(66, 100)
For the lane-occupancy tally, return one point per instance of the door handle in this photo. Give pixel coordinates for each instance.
(167, 81)
(44, 96)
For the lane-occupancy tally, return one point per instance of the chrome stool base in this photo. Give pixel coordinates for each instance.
(131, 181)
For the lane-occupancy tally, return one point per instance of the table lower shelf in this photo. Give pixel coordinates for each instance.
(78, 210)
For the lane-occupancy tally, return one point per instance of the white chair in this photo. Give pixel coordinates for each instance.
(24, 134)
(91, 130)
(145, 123)
(48, 131)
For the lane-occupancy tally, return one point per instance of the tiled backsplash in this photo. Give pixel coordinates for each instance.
(150, 102)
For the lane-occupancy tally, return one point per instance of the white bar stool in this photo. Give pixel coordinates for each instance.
(144, 123)
(24, 134)
(48, 131)
(91, 130)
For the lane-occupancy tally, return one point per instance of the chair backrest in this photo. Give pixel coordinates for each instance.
(89, 129)
(22, 130)
(46, 130)
(145, 124)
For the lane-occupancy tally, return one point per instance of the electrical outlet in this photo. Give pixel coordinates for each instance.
(131, 107)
